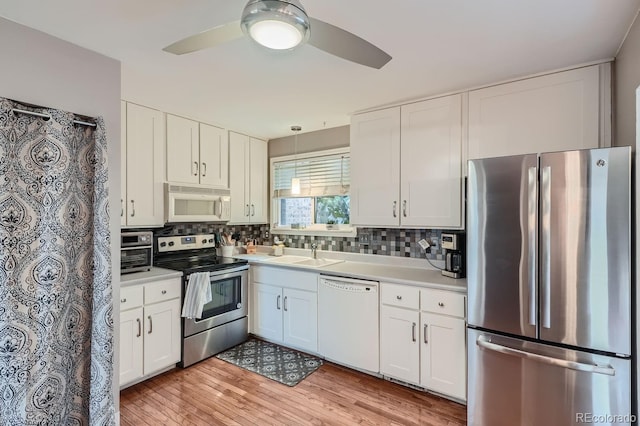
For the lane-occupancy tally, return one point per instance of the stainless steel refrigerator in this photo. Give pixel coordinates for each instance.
(549, 289)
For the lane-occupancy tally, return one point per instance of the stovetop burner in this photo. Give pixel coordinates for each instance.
(192, 253)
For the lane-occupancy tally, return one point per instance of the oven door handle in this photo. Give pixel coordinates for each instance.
(222, 273)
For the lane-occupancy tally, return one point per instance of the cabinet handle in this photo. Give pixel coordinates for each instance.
(425, 334)
(413, 332)
(441, 304)
(395, 204)
(133, 208)
(404, 208)
(246, 209)
(123, 300)
(196, 172)
(139, 327)
(253, 210)
(204, 169)
(278, 302)
(399, 297)
(285, 303)
(121, 207)
(150, 325)
(164, 291)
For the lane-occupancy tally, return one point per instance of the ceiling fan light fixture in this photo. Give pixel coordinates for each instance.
(276, 24)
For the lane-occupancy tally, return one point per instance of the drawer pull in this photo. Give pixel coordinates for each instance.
(413, 332)
(441, 304)
(139, 327)
(123, 300)
(425, 334)
(164, 291)
(150, 325)
(399, 297)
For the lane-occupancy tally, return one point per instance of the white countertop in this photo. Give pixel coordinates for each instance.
(422, 277)
(155, 274)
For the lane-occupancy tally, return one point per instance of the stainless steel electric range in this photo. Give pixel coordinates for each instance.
(224, 320)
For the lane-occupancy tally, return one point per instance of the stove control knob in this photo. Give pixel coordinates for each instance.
(171, 243)
(211, 240)
(163, 244)
(204, 241)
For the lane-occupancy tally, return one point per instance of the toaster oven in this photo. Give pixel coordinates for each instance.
(136, 251)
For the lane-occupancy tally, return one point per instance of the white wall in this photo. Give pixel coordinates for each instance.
(626, 132)
(626, 81)
(42, 70)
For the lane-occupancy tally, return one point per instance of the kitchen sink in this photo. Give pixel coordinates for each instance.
(302, 261)
(318, 262)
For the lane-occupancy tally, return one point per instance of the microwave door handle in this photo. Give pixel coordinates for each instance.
(219, 204)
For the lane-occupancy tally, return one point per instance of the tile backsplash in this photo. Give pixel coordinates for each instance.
(388, 242)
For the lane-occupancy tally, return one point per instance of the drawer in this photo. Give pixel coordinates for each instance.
(159, 291)
(443, 302)
(283, 277)
(402, 296)
(130, 297)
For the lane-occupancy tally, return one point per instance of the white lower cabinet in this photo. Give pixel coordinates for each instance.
(149, 329)
(422, 338)
(284, 306)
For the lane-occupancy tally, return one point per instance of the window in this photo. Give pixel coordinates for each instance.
(322, 203)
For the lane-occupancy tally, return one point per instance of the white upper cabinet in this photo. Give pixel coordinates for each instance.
(214, 156)
(562, 111)
(406, 165)
(375, 168)
(197, 153)
(248, 179)
(142, 166)
(431, 163)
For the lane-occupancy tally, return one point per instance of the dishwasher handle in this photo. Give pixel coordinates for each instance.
(351, 286)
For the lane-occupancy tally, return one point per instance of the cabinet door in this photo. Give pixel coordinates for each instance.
(399, 348)
(554, 112)
(214, 156)
(239, 177)
(375, 168)
(300, 319)
(183, 163)
(267, 311)
(123, 163)
(162, 335)
(431, 163)
(131, 343)
(145, 166)
(443, 355)
(258, 178)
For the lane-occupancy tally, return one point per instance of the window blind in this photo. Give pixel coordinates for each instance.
(319, 176)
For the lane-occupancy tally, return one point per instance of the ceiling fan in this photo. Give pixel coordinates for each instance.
(282, 25)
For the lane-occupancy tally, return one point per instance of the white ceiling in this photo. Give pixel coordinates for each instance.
(437, 46)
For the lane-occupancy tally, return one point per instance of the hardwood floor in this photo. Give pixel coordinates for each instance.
(215, 392)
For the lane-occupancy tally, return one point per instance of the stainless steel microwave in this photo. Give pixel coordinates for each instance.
(196, 204)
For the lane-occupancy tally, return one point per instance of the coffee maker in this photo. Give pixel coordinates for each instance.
(453, 243)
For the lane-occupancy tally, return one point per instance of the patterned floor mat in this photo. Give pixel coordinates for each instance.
(275, 362)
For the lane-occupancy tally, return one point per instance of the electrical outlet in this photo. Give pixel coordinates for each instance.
(435, 244)
(364, 238)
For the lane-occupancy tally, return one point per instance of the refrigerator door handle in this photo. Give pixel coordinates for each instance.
(532, 243)
(546, 247)
(486, 343)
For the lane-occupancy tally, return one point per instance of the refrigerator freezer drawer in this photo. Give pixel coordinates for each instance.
(516, 382)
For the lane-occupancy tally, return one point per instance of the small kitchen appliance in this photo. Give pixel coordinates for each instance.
(136, 251)
(453, 243)
(224, 321)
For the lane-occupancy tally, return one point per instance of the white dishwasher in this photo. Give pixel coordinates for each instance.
(348, 322)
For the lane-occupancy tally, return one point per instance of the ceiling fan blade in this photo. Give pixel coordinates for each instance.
(206, 39)
(345, 45)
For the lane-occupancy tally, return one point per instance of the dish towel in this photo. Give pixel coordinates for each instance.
(198, 294)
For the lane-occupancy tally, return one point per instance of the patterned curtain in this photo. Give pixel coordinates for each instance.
(56, 325)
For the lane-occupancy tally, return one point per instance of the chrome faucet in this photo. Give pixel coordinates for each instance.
(314, 249)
